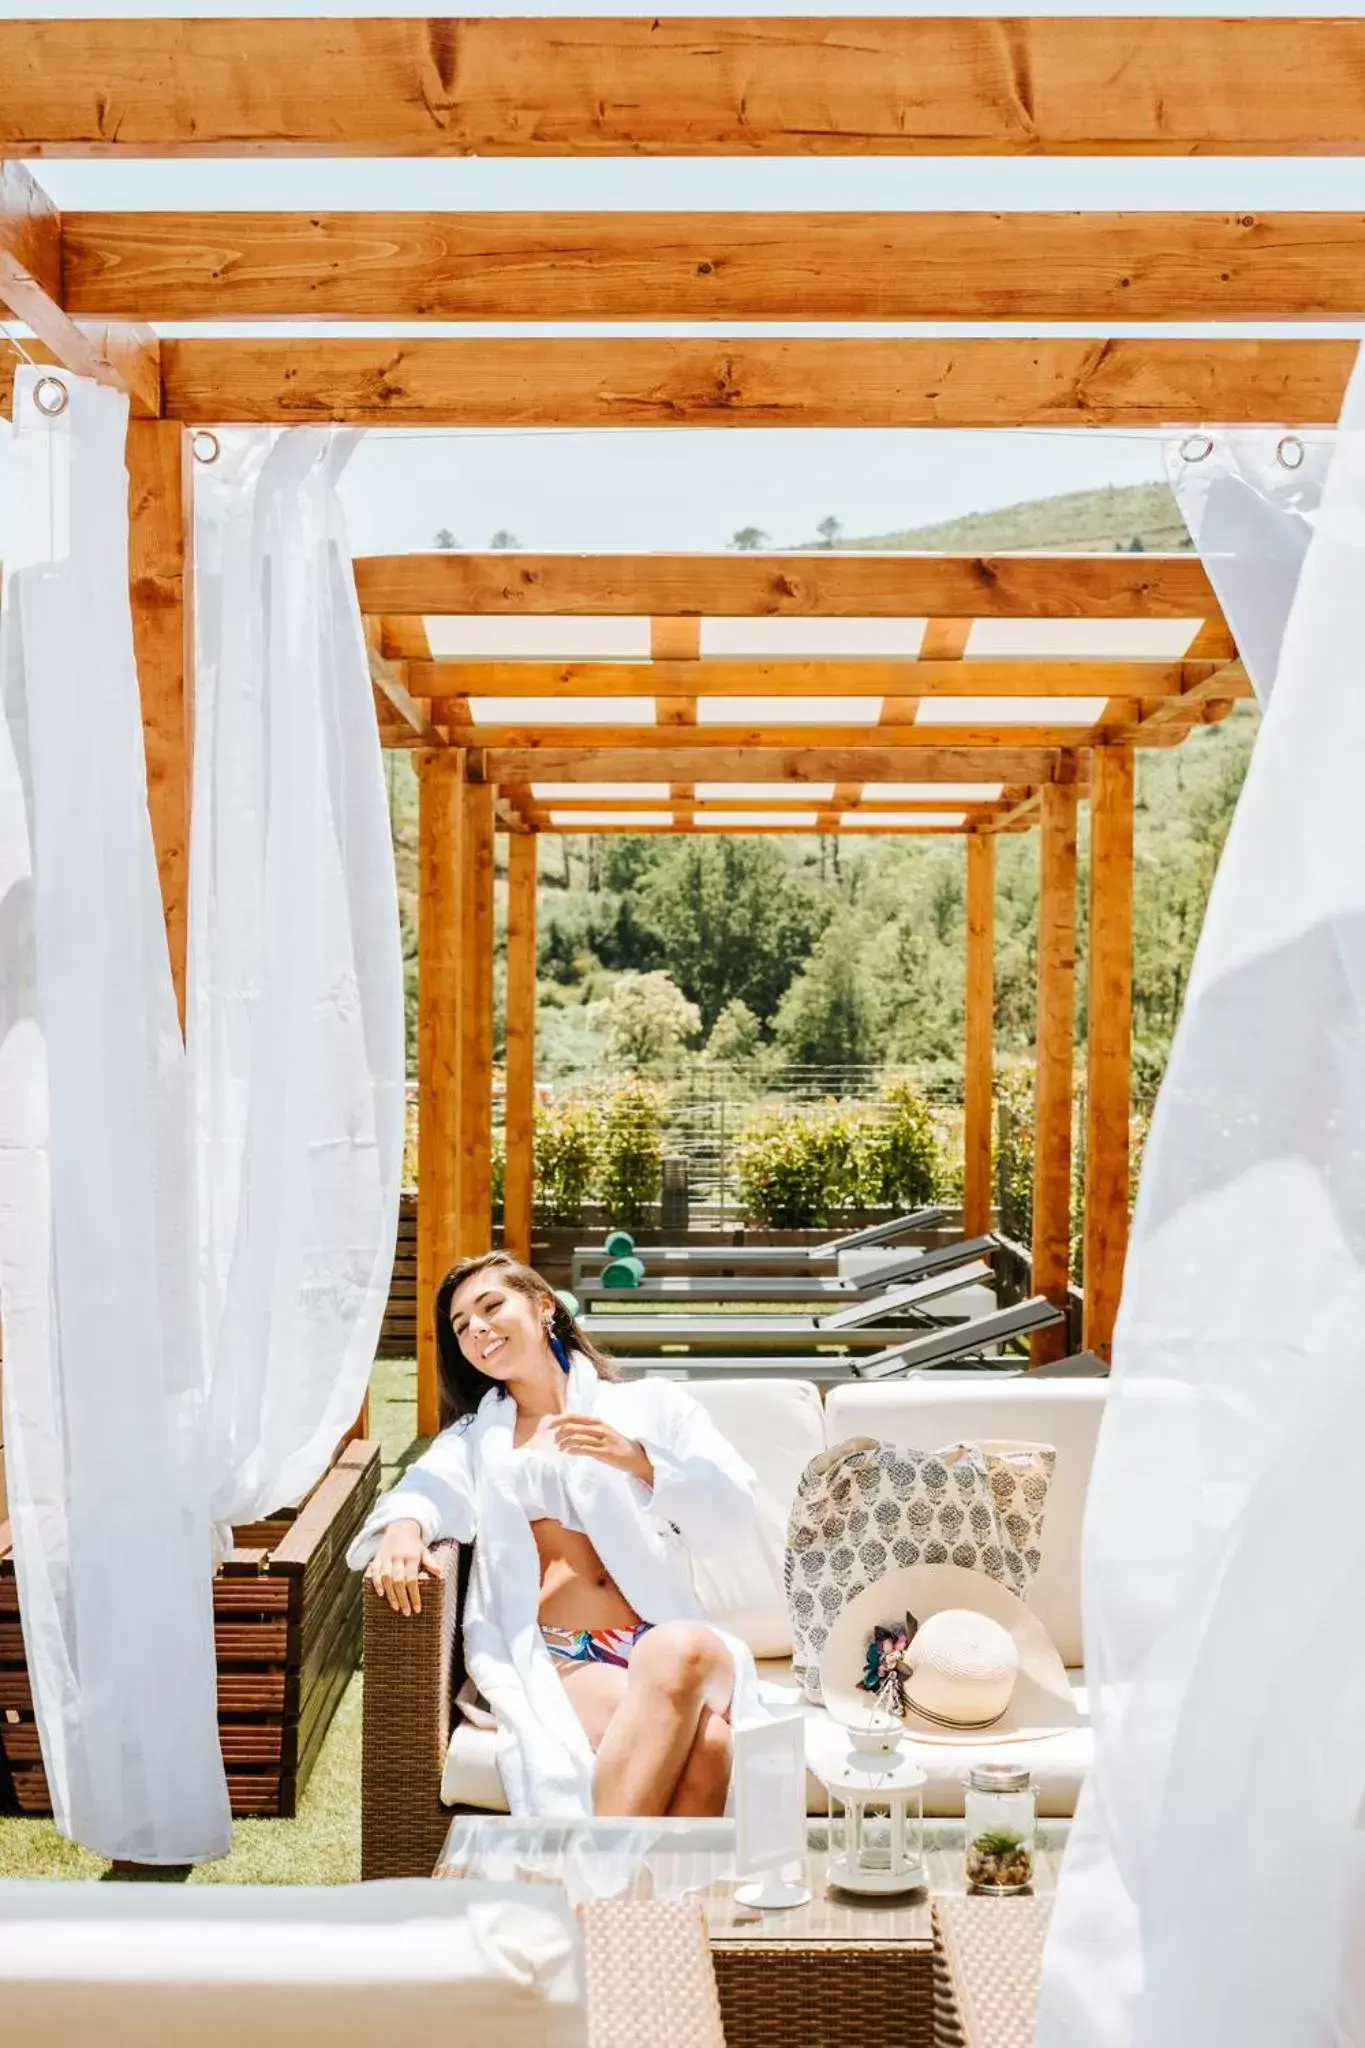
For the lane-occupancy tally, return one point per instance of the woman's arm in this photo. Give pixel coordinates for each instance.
(436, 1493)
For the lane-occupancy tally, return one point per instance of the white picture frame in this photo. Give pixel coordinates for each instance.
(770, 1807)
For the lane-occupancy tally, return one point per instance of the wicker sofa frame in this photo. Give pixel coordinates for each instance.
(414, 1668)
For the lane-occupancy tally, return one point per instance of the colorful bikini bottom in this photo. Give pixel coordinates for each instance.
(594, 1645)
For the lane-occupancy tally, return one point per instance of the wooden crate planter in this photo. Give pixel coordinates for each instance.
(287, 1623)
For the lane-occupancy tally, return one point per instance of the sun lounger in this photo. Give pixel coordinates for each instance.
(900, 1267)
(862, 1325)
(940, 1347)
(735, 1258)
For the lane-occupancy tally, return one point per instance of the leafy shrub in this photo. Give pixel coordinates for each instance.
(567, 1135)
(898, 1153)
(630, 1152)
(794, 1167)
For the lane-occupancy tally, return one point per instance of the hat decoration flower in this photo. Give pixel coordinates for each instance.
(887, 1667)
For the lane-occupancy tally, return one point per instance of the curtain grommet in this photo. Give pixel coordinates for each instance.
(1196, 448)
(1290, 452)
(51, 397)
(204, 445)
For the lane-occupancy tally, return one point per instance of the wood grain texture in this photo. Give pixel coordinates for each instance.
(476, 1064)
(699, 381)
(979, 987)
(820, 583)
(813, 761)
(849, 676)
(680, 87)
(121, 354)
(161, 584)
(519, 1183)
(1109, 1054)
(440, 907)
(719, 266)
(906, 740)
(1054, 1052)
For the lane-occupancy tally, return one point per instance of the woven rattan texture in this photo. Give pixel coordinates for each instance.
(991, 1956)
(410, 1673)
(825, 1996)
(649, 1977)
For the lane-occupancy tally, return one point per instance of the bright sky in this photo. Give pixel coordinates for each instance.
(693, 489)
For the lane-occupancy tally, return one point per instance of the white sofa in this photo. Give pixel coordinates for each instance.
(779, 1426)
(129, 1965)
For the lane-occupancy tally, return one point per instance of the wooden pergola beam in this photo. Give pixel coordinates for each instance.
(440, 1046)
(663, 739)
(124, 355)
(1054, 1052)
(862, 796)
(814, 583)
(844, 676)
(813, 761)
(702, 381)
(721, 266)
(1200, 695)
(1109, 1058)
(519, 1179)
(979, 1050)
(687, 819)
(679, 87)
(476, 1066)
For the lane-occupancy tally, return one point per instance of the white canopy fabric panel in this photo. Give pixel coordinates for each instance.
(1212, 1888)
(295, 1005)
(104, 1398)
(1248, 501)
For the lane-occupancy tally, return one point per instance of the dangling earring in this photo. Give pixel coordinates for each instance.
(557, 1346)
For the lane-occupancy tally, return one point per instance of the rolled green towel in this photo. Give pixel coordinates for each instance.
(623, 1273)
(619, 1244)
(570, 1300)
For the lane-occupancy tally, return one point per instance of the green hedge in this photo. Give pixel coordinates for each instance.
(606, 1148)
(802, 1168)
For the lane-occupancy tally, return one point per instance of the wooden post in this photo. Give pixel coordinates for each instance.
(161, 585)
(1054, 1053)
(440, 905)
(980, 1034)
(1108, 1100)
(522, 851)
(476, 1063)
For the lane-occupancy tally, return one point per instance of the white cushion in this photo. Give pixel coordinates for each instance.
(925, 1412)
(278, 1966)
(777, 1426)
(1058, 1763)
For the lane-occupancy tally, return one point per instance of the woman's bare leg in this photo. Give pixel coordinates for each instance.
(705, 1779)
(676, 1672)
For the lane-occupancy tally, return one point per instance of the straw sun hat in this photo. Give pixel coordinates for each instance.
(979, 1665)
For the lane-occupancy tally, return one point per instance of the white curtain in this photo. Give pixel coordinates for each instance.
(1248, 501)
(1212, 1890)
(295, 1009)
(104, 1432)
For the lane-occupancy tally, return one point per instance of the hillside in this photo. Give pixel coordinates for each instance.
(1101, 521)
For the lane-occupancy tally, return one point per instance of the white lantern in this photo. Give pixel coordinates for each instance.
(876, 1817)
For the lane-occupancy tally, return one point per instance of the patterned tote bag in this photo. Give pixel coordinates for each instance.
(864, 1508)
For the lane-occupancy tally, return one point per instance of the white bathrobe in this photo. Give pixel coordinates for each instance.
(702, 1500)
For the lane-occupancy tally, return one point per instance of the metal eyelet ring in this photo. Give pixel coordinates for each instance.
(1196, 448)
(1290, 452)
(204, 445)
(51, 397)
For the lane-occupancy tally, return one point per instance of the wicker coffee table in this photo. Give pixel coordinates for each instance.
(839, 1971)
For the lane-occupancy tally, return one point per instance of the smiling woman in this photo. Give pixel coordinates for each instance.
(584, 1499)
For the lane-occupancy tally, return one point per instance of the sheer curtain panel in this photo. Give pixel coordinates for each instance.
(295, 1008)
(1212, 1889)
(104, 1396)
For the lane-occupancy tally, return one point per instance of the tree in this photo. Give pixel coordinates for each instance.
(648, 1020)
(748, 538)
(734, 919)
(503, 539)
(736, 1036)
(446, 539)
(829, 531)
(829, 1017)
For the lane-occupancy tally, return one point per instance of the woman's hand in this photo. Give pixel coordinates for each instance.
(587, 1436)
(399, 1565)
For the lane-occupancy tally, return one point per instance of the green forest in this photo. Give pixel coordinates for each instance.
(766, 951)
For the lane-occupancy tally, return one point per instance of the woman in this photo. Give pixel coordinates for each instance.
(586, 1496)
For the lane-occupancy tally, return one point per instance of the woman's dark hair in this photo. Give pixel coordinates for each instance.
(461, 1385)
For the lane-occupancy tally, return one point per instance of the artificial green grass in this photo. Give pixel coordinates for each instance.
(321, 1846)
